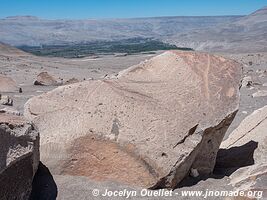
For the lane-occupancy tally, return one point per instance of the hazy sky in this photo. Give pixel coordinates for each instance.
(78, 9)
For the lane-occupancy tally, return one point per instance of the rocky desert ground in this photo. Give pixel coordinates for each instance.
(75, 174)
(151, 125)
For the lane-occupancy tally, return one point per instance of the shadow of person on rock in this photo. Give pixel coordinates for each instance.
(227, 162)
(43, 185)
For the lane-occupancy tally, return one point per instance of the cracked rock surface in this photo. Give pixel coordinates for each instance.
(163, 116)
(19, 157)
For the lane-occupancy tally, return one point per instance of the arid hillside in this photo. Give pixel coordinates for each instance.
(212, 33)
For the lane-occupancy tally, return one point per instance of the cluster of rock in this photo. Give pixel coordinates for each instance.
(6, 100)
(9, 110)
(71, 81)
(167, 115)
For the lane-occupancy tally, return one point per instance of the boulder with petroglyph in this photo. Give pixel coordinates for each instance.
(6, 100)
(150, 125)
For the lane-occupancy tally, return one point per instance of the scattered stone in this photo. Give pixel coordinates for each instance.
(19, 157)
(71, 81)
(6, 100)
(95, 71)
(10, 110)
(247, 81)
(46, 79)
(259, 71)
(152, 115)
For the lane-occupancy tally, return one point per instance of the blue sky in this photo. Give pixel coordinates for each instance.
(82, 9)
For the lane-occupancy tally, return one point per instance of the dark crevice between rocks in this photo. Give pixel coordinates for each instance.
(227, 162)
(43, 185)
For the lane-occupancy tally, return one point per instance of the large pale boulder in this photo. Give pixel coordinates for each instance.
(19, 157)
(249, 140)
(45, 79)
(7, 84)
(149, 126)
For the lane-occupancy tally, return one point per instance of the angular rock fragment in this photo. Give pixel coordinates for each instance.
(248, 140)
(166, 115)
(19, 157)
(46, 79)
(6, 100)
(247, 81)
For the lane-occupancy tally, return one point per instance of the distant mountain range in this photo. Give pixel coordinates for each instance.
(211, 33)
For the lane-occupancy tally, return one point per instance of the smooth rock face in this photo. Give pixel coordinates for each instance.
(252, 134)
(7, 84)
(45, 79)
(167, 115)
(19, 157)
